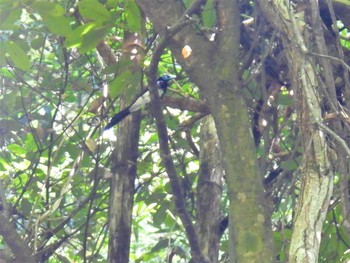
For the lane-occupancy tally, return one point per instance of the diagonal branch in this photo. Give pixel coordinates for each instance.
(19, 248)
(178, 194)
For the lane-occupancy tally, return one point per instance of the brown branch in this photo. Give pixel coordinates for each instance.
(49, 250)
(339, 60)
(191, 143)
(341, 142)
(19, 248)
(176, 186)
(51, 232)
(186, 104)
(189, 123)
(106, 53)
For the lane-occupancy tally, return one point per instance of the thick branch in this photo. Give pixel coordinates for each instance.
(186, 104)
(19, 248)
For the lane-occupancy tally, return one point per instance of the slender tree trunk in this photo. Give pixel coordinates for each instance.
(316, 168)
(122, 191)
(124, 170)
(209, 191)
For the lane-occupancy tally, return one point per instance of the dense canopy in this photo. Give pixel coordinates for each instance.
(244, 159)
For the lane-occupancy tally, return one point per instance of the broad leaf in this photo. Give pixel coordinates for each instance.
(17, 55)
(208, 15)
(8, 19)
(58, 25)
(116, 86)
(133, 16)
(48, 8)
(94, 10)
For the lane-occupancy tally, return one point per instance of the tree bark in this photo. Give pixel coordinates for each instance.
(209, 191)
(316, 168)
(124, 170)
(19, 248)
(122, 189)
(213, 66)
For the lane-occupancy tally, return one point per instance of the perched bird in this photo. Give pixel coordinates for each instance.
(143, 99)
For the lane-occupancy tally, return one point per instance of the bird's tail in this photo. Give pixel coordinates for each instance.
(117, 118)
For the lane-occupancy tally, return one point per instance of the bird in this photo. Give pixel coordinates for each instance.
(143, 99)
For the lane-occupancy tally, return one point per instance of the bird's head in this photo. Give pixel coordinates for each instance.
(163, 81)
(165, 78)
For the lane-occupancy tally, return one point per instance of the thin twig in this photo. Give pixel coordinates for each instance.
(337, 138)
(341, 61)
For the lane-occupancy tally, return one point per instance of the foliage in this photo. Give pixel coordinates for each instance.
(55, 158)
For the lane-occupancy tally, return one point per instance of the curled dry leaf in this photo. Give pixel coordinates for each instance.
(186, 51)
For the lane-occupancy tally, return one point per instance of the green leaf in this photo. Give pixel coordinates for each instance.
(116, 86)
(289, 165)
(224, 246)
(156, 198)
(284, 99)
(30, 142)
(132, 16)
(58, 25)
(3, 165)
(40, 174)
(159, 216)
(282, 256)
(169, 221)
(209, 15)
(173, 124)
(112, 69)
(53, 17)
(92, 38)
(92, 9)
(74, 39)
(3, 63)
(161, 244)
(26, 206)
(37, 42)
(115, 68)
(277, 238)
(17, 55)
(8, 19)
(48, 8)
(16, 149)
(86, 37)
(187, 3)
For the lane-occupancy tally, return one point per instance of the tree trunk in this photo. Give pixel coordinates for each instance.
(19, 248)
(316, 168)
(209, 191)
(124, 170)
(213, 66)
(123, 189)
